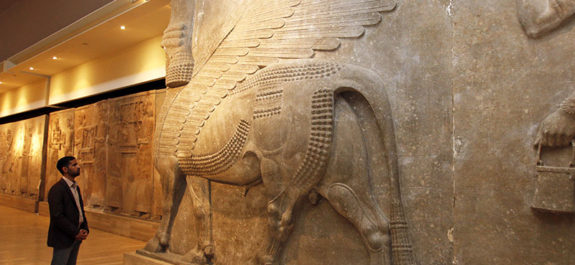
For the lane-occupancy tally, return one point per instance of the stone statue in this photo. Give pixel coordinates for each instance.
(258, 111)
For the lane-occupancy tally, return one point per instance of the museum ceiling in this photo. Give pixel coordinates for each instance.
(96, 35)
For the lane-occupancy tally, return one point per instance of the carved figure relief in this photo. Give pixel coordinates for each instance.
(22, 159)
(90, 130)
(555, 188)
(258, 112)
(112, 139)
(130, 180)
(60, 143)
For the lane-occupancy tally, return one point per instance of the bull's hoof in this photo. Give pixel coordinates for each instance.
(265, 260)
(196, 256)
(154, 245)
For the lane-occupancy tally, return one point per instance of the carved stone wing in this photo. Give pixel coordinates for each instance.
(271, 31)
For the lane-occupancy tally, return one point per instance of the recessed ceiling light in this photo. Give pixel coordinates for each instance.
(54, 57)
(122, 27)
(31, 68)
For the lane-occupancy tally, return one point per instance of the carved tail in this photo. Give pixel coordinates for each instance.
(370, 86)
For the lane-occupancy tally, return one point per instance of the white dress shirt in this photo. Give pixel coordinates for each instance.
(74, 189)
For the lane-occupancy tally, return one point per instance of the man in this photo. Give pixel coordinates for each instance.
(68, 225)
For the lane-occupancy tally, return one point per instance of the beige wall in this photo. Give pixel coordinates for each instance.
(137, 64)
(28, 97)
(140, 63)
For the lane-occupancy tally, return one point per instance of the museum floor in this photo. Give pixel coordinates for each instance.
(23, 237)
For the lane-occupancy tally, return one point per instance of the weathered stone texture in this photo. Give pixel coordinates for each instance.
(504, 84)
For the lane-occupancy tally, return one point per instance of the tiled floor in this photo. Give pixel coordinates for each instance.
(23, 242)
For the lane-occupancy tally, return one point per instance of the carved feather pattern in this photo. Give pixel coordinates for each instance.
(268, 32)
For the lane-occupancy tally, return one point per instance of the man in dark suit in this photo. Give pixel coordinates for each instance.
(68, 225)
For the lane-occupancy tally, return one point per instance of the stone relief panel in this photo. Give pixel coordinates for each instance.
(60, 144)
(130, 168)
(554, 190)
(112, 139)
(516, 60)
(90, 131)
(261, 134)
(21, 158)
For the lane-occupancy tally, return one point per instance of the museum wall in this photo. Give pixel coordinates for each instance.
(24, 98)
(137, 64)
(112, 140)
(467, 90)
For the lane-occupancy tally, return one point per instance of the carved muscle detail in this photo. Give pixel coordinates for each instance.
(220, 161)
(317, 153)
(266, 113)
(269, 95)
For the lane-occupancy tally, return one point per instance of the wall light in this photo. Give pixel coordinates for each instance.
(31, 68)
(54, 58)
(123, 27)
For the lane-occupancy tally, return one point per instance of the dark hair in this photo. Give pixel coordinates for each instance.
(64, 162)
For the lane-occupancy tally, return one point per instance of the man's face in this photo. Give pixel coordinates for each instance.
(73, 168)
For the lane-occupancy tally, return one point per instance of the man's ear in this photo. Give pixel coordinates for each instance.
(65, 169)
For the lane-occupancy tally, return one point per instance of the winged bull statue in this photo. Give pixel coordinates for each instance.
(260, 110)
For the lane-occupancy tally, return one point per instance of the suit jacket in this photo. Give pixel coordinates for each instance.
(64, 216)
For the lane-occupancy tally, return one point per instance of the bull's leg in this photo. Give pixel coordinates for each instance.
(173, 187)
(200, 190)
(365, 216)
(279, 210)
(280, 213)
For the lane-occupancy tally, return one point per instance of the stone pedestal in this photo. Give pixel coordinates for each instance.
(137, 259)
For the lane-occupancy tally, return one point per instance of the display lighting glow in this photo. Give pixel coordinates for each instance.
(31, 68)
(36, 144)
(122, 27)
(54, 58)
(19, 143)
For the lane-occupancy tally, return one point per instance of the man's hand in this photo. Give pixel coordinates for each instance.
(556, 130)
(82, 235)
